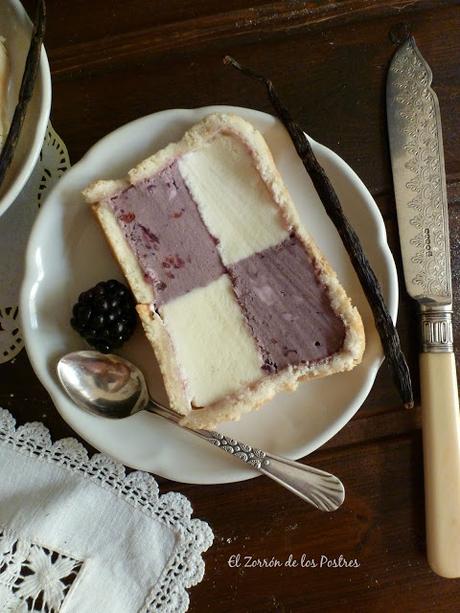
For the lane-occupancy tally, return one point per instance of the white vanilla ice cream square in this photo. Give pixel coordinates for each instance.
(234, 202)
(211, 341)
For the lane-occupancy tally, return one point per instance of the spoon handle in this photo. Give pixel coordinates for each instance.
(319, 488)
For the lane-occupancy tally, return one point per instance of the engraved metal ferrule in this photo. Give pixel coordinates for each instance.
(437, 333)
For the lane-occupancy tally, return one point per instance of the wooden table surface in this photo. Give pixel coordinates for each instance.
(114, 61)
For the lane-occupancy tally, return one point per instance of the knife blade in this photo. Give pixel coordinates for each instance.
(417, 159)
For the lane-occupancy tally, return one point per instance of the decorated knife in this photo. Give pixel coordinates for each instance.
(417, 158)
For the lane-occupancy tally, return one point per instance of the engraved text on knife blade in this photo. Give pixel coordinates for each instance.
(419, 176)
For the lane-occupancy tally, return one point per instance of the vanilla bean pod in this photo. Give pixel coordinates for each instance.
(26, 90)
(388, 334)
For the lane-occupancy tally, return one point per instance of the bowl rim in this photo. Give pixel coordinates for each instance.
(44, 75)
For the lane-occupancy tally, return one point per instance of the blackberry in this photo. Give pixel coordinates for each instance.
(105, 315)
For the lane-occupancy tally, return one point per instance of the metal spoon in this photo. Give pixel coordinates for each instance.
(109, 386)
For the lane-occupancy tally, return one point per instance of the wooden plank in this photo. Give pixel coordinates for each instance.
(140, 31)
(333, 80)
(381, 525)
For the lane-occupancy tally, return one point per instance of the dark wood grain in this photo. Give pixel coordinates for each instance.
(261, 20)
(113, 62)
(332, 79)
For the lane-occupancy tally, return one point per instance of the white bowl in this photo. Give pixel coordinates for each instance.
(16, 27)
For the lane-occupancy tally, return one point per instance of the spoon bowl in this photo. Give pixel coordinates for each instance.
(104, 385)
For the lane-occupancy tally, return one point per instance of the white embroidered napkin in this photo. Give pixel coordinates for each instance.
(78, 535)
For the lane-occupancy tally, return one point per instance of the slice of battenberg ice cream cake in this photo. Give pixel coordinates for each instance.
(234, 296)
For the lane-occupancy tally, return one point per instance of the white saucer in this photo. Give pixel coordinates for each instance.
(67, 254)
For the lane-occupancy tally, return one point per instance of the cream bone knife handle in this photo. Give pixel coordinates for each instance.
(441, 443)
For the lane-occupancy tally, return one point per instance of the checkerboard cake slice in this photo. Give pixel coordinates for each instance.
(234, 296)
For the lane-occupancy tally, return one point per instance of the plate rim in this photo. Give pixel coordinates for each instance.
(233, 475)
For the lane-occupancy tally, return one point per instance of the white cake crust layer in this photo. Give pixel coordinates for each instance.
(255, 393)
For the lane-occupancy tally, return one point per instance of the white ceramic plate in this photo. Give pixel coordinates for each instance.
(16, 28)
(67, 254)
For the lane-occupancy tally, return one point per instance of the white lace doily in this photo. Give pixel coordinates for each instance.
(79, 535)
(15, 226)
